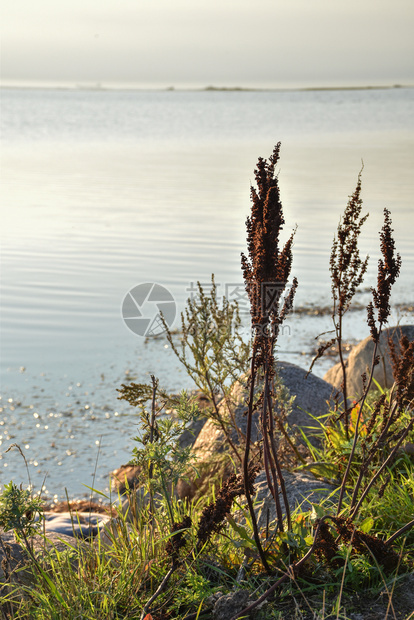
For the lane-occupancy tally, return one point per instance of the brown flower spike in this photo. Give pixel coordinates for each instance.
(266, 271)
(388, 271)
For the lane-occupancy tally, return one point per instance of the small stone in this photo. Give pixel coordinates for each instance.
(230, 604)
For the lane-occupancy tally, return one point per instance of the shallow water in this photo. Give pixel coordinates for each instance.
(105, 190)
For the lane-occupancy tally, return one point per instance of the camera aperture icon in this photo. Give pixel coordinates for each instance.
(142, 306)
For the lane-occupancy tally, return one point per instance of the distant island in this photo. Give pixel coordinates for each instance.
(98, 86)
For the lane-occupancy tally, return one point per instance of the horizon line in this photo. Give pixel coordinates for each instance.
(99, 86)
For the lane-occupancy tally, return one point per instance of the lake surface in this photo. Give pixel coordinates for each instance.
(105, 190)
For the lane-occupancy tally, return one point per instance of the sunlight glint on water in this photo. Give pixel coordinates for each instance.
(105, 190)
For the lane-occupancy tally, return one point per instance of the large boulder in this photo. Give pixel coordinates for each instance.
(313, 397)
(360, 360)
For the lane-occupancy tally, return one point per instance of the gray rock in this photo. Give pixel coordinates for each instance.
(313, 396)
(302, 490)
(76, 524)
(189, 436)
(360, 360)
(13, 556)
(13, 561)
(230, 604)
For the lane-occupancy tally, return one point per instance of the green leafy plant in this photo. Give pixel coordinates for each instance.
(215, 355)
(20, 511)
(159, 455)
(374, 446)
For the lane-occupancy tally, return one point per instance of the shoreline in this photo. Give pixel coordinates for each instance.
(65, 426)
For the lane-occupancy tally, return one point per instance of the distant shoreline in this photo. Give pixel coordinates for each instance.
(97, 87)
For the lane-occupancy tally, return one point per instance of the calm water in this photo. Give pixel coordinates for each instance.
(104, 190)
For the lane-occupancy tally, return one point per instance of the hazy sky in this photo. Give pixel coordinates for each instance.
(202, 42)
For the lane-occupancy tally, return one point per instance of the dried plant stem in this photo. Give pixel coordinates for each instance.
(272, 478)
(269, 456)
(246, 464)
(282, 484)
(400, 532)
(338, 328)
(159, 590)
(154, 393)
(268, 399)
(371, 455)
(354, 444)
(15, 445)
(266, 273)
(388, 271)
(347, 273)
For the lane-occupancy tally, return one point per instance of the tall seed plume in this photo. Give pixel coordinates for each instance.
(389, 267)
(266, 270)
